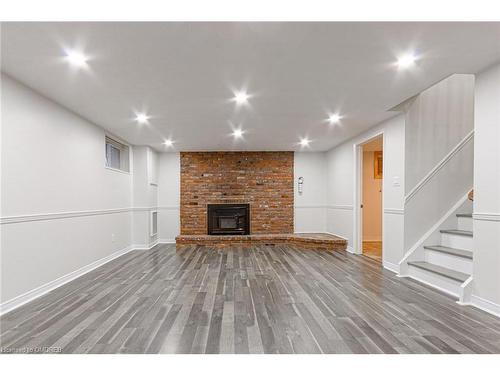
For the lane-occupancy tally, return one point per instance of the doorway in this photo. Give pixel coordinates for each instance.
(371, 154)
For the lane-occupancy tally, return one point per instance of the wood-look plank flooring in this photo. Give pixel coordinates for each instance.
(373, 249)
(264, 299)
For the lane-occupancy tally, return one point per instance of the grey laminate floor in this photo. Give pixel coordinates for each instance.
(267, 299)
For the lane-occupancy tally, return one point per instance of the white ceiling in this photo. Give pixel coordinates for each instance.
(183, 75)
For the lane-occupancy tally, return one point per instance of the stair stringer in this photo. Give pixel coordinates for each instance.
(433, 236)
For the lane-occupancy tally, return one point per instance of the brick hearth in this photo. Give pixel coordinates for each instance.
(316, 241)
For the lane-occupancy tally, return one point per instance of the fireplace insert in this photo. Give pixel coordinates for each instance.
(228, 219)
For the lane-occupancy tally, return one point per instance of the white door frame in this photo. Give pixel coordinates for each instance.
(357, 246)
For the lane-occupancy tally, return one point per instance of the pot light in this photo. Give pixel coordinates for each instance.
(406, 61)
(141, 118)
(76, 58)
(241, 97)
(238, 133)
(304, 142)
(168, 142)
(334, 118)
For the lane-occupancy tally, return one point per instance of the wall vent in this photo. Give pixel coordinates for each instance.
(154, 223)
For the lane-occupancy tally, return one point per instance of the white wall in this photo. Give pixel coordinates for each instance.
(437, 121)
(486, 291)
(169, 196)
(340, 189)
(144, 194)
(310, 207)
(372, 200)
(53, 165)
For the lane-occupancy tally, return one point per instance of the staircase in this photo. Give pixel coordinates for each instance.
(447, 266)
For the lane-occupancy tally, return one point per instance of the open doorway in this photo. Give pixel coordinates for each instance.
(371, 197)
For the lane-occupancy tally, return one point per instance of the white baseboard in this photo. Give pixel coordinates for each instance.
(18, 301)
(44, 289)
(487, 216)
(333, 234)
(145, 246)
(166, 240)
(350, 250)
(485, 305)
(390, 266)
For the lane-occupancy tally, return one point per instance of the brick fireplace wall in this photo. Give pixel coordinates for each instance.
(262, 179)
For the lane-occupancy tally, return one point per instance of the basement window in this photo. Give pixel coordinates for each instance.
(117, 155)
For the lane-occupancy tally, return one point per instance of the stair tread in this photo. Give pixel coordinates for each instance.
(450, 250)
(443, 271)
(457, 231)
(464, 215)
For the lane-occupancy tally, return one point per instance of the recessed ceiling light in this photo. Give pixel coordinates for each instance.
(237, 133)
(334, 118)
(406, 61)
(241, 97)
(76, 58)
(168, 142)
(304, 142)
(141, 118)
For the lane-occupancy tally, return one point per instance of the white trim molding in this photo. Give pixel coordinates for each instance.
(390, 266)
(439, 166)
(357, 183)
(166, 241)
(394, 211)
(339, 206)
(143, 209)
(486, 216)
(44, 289)
(72, 214)
(332, 234)
(168, 207)
(485, 305)
(310, 206)
(60, 215)
(145, 246)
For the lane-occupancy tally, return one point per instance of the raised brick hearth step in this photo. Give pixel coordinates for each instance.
(323, 241)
